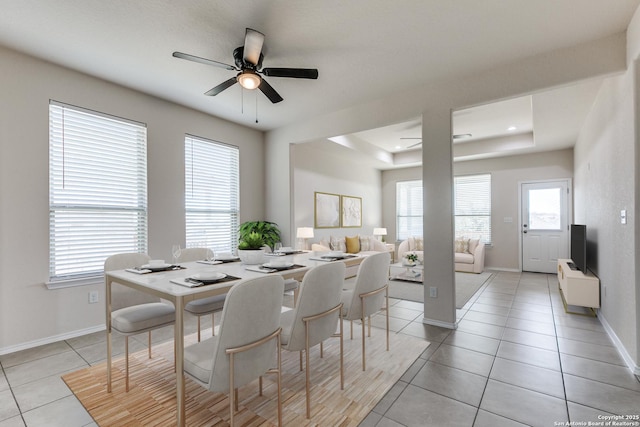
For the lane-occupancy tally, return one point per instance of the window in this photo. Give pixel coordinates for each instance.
(97, 190)
(408, 209)
(473, 206)
(211, 194)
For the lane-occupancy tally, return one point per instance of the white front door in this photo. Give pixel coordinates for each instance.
(545, 224)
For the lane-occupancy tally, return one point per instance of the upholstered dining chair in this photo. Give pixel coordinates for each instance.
(249, 336)
(134, 312)
(367, 297)
(204, 306)
(315, 317)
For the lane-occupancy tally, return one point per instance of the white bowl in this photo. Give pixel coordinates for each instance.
(279, 263)
(209, 275)
(156, 263)
(335, 253)
(286, 249)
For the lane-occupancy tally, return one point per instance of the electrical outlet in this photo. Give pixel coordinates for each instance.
(93, 297)
(433, 292)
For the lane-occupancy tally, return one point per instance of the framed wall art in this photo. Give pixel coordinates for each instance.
(327, 210)
(351, 211)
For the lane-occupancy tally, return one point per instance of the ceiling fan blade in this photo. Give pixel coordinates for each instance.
(415, 145)
(269, 92)
(222, 86)
(296, 73)
(203, 60)
(253, 41)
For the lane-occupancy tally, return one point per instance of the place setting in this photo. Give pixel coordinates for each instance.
(154, 266)
(273, 266)
(333, 256)
(221, 258)
(204, 278)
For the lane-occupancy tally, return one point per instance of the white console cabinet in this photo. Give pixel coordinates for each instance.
(578, 288)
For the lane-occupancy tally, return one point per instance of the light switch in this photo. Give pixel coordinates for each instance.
(623, 216)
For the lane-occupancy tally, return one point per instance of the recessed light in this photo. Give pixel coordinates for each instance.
(511, 128)
(398, 147)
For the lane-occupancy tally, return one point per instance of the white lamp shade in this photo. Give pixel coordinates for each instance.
(305, 233)
(379, 231)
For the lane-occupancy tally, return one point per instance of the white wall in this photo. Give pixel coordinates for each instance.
(314, 170)
(606, 165)
(506, 174)
(29, 313)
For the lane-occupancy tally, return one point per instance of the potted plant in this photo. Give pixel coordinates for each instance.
(250, 248)
(411, 259)
(269, 232)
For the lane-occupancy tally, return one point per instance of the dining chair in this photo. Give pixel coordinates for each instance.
(367, 298)
(315, 317)
(134, 312)
(249, 336)
(204, 306)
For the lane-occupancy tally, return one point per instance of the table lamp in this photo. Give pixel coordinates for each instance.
(380, 232)
(304, 233)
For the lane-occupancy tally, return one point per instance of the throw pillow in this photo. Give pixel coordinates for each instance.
(419, 244)
(473, 244)
(462, 245)
(338, 244)
(412, 244)
(353, 244)
(365, 243)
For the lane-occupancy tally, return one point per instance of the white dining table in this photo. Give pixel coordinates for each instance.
(160, 284)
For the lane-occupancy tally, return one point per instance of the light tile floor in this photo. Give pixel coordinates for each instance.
(516, 359)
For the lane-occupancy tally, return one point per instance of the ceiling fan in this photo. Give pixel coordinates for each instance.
(248, 63)
(459, 136)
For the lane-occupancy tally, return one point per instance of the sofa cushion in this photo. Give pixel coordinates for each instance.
(463, 258)
(462, 245)
(338, 244)
(365, 243)
(353, 244)
(473, 244)
(416, 244)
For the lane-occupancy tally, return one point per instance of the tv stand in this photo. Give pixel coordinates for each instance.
(572, 266)
(577, 288)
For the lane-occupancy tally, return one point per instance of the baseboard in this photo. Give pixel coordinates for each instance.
(52, 339)
(509, 270)
(440, 323)
(618, 344)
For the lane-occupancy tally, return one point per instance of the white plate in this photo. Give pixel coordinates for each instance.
(209, 276)
(156, 266)
(226, 257)
(335, 254)
(278, 265)
(287, 249)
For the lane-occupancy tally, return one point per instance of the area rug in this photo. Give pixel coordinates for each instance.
(467, 284)
(151, 399)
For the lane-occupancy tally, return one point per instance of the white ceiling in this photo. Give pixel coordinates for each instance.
(363, 49)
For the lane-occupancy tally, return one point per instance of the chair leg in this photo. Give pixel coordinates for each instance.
(149, 339)
(260, 385)
(279, 380)
(387, 314)
(321, 349)
(126, 362)
(300, 360)
(307, 375)
(232, 389)
(213, 325)
(351, 333)
(198, 328)
(341, 356)
(364, 365)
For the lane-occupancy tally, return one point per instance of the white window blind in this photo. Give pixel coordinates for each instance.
(97, 190)
(473, 206)
(408, 209)
(211, 194)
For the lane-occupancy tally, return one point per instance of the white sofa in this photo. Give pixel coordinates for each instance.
(469, 253)
(367, 245)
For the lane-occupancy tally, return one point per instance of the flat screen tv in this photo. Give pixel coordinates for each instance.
(579, 246)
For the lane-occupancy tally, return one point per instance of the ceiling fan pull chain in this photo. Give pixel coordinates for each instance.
(256, 107)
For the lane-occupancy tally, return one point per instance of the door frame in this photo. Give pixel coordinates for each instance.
(569, 182)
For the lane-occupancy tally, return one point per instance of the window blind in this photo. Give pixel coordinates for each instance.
(211, 194)
(408, 209)
(97, 190)
(473, 206)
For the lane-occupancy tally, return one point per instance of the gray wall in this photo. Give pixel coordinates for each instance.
(606, 182)
(29, 313)
(315, 169)
(506, 175)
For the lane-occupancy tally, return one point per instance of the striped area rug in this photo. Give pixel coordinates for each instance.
(151, 399)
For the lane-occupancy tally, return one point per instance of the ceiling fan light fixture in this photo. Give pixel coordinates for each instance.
(249, 79)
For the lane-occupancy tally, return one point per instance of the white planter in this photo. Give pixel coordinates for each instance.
(251, 256)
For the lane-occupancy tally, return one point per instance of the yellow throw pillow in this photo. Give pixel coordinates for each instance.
(353, 244)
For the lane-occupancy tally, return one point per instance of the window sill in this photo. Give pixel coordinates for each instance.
(71, 283)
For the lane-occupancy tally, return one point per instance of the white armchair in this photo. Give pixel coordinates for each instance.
(469, 256)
